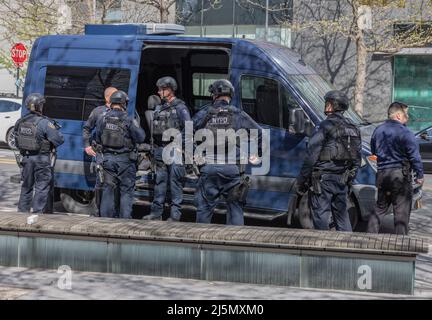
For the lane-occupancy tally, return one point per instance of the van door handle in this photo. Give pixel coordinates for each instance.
(7, 117)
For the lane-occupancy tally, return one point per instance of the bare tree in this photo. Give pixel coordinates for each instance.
(26, 20)
(377, 36)
(193, 8)
(161, 10)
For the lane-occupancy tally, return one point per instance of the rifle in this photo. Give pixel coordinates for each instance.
(316, 182)
(18, 159)
(152, 102)
(99, 170)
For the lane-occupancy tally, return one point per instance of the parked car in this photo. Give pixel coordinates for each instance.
(424, 138)
(10, 112)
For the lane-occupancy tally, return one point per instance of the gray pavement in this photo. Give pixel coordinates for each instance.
(21, 283)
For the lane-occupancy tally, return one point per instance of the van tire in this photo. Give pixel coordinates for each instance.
(78, 201)
(305, 215)
(353, 212)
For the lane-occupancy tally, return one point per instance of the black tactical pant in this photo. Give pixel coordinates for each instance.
(331, 201)
(394, 188)
(37, 184)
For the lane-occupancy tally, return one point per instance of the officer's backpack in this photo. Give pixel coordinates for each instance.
(347, 138)
(115, 133)
(220, 119)
(26, 137)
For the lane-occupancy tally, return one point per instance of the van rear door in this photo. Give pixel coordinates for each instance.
(74, 71)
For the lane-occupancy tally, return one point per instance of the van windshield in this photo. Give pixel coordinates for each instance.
(313, 88)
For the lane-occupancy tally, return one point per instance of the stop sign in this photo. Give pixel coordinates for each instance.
(19, 54)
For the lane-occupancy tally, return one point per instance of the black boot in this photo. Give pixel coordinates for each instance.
(151, 216)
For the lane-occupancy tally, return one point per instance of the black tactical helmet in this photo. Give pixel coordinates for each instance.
(35, 102)
(221, 87)
(167, 82)
(341, 99)
(119, 97)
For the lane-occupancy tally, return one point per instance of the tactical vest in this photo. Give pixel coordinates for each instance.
(26, 138)
(115, 133)
(166, 118)
(346, 142)
(220, 119)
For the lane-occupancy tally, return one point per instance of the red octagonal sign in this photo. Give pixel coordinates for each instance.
(19, 54)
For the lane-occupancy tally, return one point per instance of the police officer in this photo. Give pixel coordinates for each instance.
(222, 179)
(331, 163)
(118, 136)
(397, 155)
(172, 114)
(89, 146)
(36, 137)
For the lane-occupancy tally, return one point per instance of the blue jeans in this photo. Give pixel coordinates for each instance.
(216, 181)
(37, 176)
(119, 177)
(331, 201)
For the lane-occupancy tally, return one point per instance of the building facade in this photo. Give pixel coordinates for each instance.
(403, 76)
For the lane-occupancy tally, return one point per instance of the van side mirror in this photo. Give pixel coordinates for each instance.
(297, 121)
(309, 128)
(424, 136)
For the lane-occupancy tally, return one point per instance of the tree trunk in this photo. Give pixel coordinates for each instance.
(361, 73)
(164, 15)
(92, 10)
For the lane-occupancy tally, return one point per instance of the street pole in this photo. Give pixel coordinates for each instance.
(94, 11)
(202, 17)
(17, 82)
(266, 20)
(233, 21)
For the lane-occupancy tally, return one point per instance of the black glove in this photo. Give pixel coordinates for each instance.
(351, 176)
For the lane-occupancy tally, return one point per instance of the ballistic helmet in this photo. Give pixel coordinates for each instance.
(221, 87)
(339, 99)
(119, 97)
(167, 82)
(35, 102)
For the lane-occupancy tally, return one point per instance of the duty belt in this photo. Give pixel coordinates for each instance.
(117, 153)
(34, 153)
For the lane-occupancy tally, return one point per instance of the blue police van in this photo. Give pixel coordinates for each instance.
(272, 84)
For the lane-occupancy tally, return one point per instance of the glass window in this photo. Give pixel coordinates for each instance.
(202, 81)
(73, 92)
(413, 86)
(9, 106)
(200, 85)
(260, 99)
(313, 88)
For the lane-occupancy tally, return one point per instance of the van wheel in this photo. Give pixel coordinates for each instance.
(10, 139)
(78, 201)
(353, 212)
(304, 213)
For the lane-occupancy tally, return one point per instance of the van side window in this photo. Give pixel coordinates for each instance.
(200, 84)
(8, 106)
(73, 92)
(260, 99)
